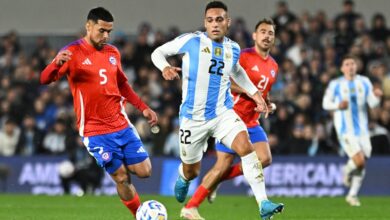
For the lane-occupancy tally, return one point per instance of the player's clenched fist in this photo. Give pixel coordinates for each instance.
(171, 73)
(62, 57)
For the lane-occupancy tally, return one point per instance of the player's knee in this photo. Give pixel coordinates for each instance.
(361, 164)
(244, 150)
(266, 161)
(144, 173)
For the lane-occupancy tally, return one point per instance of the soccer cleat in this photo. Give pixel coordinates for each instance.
(268, 209)
(190, 214)
(347, 177)
(353, 201)
(213, 195)
(181, 189)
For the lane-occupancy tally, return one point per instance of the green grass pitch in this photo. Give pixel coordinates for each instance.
(27, 207)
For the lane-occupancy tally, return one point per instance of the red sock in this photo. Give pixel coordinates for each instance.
(133, 204)
(198, 197)
(232, 172)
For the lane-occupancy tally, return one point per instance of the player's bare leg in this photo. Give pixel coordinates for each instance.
(209, 181)
(253, 172)
(142, 169)
(354, 175)
(187, 172)
(125, 189)
(263, 152)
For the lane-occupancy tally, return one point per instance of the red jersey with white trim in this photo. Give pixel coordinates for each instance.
(99, 87)
(262, 73)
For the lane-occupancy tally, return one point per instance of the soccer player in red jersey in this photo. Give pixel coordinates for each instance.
(262, 70)
(100, 91)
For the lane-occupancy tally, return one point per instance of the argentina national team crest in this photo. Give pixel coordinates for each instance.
(112, 60)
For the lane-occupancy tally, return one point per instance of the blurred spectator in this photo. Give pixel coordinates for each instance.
(348, 14)
(9, 137)
(283, 16)
(171, 146)
(31, 138)
(81, 167)
(379, 31)
(54, 141)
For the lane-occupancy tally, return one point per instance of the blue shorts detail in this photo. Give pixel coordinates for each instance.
(114, 149)
(256, 134)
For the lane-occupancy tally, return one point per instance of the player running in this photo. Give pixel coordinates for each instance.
(100, 91)
(347, 96)
(262, 71)
(209, 60)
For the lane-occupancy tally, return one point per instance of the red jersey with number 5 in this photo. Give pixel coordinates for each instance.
(98, 85)
(262, 73)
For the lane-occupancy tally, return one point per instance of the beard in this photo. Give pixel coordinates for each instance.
(97, 45)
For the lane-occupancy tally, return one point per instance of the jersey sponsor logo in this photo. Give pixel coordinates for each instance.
(105, 156)
(112, 60)
(273, 73)
(141, 150)
(206, 50)
(86, 62)
(218, 51)
(255, 68)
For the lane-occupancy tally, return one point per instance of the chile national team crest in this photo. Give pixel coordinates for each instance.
(273, 73)
(112, 60)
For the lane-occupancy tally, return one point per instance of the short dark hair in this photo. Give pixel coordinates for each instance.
(348, 2)
(216, 4)
(347, 57)
(265, 21)
(100, 13)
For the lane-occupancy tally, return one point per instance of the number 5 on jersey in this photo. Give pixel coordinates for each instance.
(103, 76)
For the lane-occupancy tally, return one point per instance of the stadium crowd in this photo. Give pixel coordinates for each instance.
(36, 119)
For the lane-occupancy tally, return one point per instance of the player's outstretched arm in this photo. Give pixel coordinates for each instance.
(242, 80)
(52, 71)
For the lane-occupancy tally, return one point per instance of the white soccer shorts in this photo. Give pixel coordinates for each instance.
(193, 134)
(353, 144)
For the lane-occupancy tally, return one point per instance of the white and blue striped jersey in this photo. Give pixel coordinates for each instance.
(358, 92)
(206, 70)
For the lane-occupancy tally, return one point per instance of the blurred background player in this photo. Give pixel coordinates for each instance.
(209, 60)
(347, 96)
(100, 91)
(262, 70)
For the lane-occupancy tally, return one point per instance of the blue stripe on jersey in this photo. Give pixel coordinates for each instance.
(77, 42)
(337, 94)
(192, 47)
(354, 106)
(217, 66)
(366, 90)
(228, 98)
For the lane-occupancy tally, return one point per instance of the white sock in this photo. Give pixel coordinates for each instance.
(253, 173)
(356, 183)
(181, 172)
(350, 166)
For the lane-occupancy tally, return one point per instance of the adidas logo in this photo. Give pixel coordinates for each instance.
(86, 62)
(255, 68)
(141, 150)
(206, 50)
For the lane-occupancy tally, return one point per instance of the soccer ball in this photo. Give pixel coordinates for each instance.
(152, 210)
